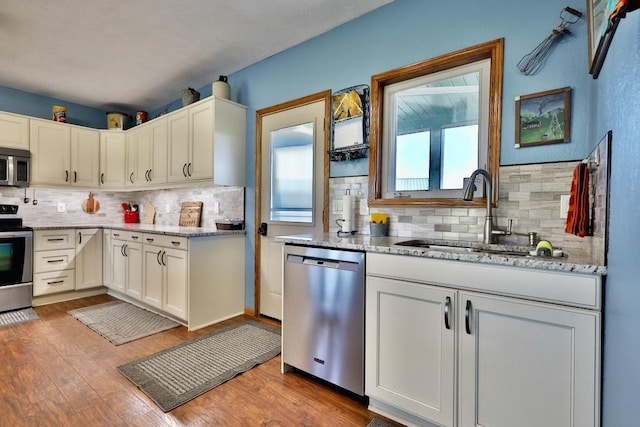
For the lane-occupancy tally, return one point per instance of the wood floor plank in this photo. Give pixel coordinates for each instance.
(57, 372)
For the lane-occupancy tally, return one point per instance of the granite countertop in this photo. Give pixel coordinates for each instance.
(575, 261)
(171, 230)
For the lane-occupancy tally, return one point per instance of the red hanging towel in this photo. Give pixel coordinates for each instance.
(578, 213)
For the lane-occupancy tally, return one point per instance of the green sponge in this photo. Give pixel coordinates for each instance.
(544, 248)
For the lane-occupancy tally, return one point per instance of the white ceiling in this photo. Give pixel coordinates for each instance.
(140, 54)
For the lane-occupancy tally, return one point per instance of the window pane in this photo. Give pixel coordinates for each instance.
(292, 174)
(412, 161)
(459, 155)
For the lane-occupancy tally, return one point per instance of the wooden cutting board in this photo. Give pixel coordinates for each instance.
(190, 214)
(90, 205)
(149, 213)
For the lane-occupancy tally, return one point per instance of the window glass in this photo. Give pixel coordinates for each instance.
(292, 174)
(459, 155)
(412, 161)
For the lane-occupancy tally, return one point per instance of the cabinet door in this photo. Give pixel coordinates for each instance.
(14, 131)
(159, 151)
(175, 283)
(85, 158)
(107, 260)
(527, 364)
(410, 355)
(133, 255)
(112, 159)
(178, 131)
(201, 140)
(153, 272)
(88, 258)
(118, 266)
(50, 152)
(131, 170)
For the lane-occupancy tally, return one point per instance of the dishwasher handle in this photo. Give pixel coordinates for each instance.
(327, 263)
(322, 262)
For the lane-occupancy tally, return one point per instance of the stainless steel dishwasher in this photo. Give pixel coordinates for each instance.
(323, 314)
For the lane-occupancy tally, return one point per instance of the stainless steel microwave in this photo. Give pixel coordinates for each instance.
(14, 167)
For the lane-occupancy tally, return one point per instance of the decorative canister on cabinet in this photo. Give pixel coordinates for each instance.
(220, 88)
(189, 96)
(59, 113)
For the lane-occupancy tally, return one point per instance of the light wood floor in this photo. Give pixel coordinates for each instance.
(57, 372)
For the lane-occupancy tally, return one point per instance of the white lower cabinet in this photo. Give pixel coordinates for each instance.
(126, 263)
(88, 258)
(452, 355)
(410, 349)
(165, 276)
(527, 364)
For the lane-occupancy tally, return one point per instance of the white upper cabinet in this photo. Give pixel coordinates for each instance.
(14, 131)
(207, 141)
(112, 159)
(64, 155)
(50, 152)
(85, 157)
(147, 154)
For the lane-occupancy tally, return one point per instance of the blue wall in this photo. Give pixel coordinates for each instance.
(407, 31)
(33, 105)
(616, 107)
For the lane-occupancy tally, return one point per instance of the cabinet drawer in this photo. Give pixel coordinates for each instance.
(45, 240)
(127, 236)
(53, 282)
(165, 241)
(44, 261)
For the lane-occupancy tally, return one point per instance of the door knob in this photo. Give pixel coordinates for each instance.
(262, 230)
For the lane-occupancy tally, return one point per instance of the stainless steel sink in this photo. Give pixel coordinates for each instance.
(428, 244)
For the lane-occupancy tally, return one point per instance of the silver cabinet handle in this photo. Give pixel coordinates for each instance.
(149, 239)
(51, 261)
(75, 176)
(174, 243)
(66, 176)
(164, 257)
(447, 310)
(131, 177)
(158, 257)
(56, 239)
(135, 237)
(79, 237)
(184, 170)
(150, 175)
(190, 169)
(102, 178)
(55, 282)
(467, 317)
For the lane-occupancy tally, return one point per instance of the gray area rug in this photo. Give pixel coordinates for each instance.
(9, 318)
(176, 375)
(377, 422)
(121, 322)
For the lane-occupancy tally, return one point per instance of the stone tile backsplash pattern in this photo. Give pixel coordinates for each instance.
(230, 199)
(528, 194)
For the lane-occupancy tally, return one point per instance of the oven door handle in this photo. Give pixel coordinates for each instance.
(10, 234)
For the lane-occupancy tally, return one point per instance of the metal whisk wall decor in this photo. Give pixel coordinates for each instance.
(533, 61)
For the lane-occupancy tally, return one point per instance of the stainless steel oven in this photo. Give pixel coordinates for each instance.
(14, 167)
(16, 261)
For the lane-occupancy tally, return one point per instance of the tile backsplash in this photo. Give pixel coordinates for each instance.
(167, 202)
(528, 194)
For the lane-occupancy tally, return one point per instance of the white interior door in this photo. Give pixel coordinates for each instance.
(292, 190)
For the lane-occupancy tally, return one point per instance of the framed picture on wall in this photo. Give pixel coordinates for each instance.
(604, 18)
(543, 117)
(350, 123)
(597, 21)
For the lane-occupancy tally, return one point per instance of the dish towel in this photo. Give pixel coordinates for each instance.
(578, 213)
